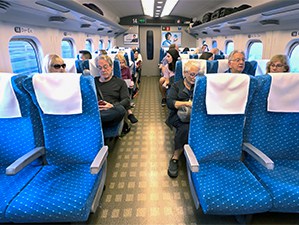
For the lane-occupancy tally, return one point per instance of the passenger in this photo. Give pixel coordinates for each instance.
(138, 64)
(236, 62)
(164, 60)
(207, 56)
(53, 63)
(185, 50)
(172, 56)
(179, 95)
(84, 55)
(126, 75)
(215, 51)
(103, 52)
(112, 93)
(167, 41)
(278, 64)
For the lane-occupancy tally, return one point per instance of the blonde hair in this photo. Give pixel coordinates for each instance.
(281, 58)
(48, 60)
(121, 57)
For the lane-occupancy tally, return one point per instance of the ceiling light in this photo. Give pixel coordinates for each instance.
(148, 7)
(168, 7)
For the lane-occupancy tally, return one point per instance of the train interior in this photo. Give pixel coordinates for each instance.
(128, 181)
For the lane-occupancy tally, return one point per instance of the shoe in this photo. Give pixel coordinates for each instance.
(163, 102)
(132, 118)
(173, 168)
(126, 129)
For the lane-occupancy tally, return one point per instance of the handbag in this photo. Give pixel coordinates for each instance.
(184, 113)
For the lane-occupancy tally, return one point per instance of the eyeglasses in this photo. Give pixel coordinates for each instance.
(238, 60)
(276, 65)
(103, 67)
(58, 66)
(192, 74)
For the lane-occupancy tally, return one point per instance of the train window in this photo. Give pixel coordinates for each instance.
(101, 44)
(24, 56)
(214, 44)
(255, 50)
(229, 47)
(88, 45)
(294, 58)
(67, 49)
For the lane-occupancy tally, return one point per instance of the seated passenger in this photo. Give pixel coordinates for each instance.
(126, 75)
(84, 55)
(207, 56)
(278, 64)
(236, 62)
(112, 93)
(172, 56)
(53, 63)
(180, 95)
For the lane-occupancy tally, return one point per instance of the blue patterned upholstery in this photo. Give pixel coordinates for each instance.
(17, 137)
(116, 68)
(64, 189)
(81, 65)
(277, 135)
(178, 71)
(212, 66)
(223, 184)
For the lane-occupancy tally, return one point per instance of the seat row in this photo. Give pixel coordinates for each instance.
(52, 157)
(254, 67)
(243, 149)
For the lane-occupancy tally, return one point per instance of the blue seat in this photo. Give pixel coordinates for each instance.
(276, 134)
(180, 67)
(116, 68)
(218, 179)
(69, 185)
(250, 67)
(81, 65)
(18, 136)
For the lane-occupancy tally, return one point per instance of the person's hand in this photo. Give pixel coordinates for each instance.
(103, 105)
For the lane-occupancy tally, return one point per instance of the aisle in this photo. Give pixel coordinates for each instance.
(138, 189)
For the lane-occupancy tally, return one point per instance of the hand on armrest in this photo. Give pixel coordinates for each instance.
(99, 160)
(26, 159)
(191, 159)
(258, 155)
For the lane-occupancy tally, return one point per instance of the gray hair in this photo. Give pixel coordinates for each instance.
(104, 57)
(231, 55)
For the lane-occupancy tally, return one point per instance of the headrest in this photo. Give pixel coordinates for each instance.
(227, 93)
(58, 93)
(284, 92)
(9, 105)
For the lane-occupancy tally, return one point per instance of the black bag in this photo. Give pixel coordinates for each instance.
(206, 17)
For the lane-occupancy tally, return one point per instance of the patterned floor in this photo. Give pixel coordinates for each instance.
(138, 189)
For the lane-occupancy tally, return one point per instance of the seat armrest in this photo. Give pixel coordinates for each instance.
(99, 160)
(258, 155)
(26, 159)
(191, 159)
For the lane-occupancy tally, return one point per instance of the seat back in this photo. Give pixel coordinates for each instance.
(70, 138)
(216, 137)
(261, 66)
(21, 134)
(81, 65)
(71, 66)
(275, 133)
(217, 66)
(250, 67)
